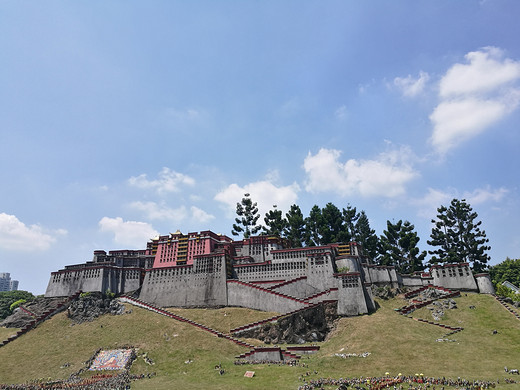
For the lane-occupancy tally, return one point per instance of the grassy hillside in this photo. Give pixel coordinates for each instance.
(397, 344)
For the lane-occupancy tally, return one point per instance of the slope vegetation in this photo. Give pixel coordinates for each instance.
(185, 356)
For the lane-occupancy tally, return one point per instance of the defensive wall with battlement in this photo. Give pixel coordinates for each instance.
(257, 273)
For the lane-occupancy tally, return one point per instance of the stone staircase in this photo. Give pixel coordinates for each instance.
(39, 319)
(321, 294)
(257, 324)
(452, 329)
(155, 309)
(284, 354)
(408, 309)
(508, 307)
(267, 290)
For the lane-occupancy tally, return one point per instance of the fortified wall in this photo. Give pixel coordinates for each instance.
(210, 270)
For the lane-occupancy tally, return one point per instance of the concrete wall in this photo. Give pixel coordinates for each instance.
(485, 286)
(412, 280)
(243, 295)
(187, 286)
(380, 275)
(271, 271)
(454, 276)
(369, 297)
(352, 263)
(320, 272)
(93, 279)
(351, 297)
(265, 354)
(300, 288)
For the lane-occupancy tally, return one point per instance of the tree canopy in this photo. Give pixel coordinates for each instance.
(7, 298)
(398, 247)
(458, 237)
(508, 270)
(247, 212)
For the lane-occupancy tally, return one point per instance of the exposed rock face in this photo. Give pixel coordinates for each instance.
(439, 307)
(89, 307)
(38, 306)
(306, 326)
(385, 292)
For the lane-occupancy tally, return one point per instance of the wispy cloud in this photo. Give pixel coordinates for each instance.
(156, 211)
(132, 234)
(341, 113)
(175, 216)
(474, 96)
(265, 193)
(410, 86)
(427, 205)
(167, 181)
(17, 236)
(385, 176)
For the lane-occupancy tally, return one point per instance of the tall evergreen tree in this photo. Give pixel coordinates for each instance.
(398, 247)
(350, 217)
(247, 212)
(295, 226)
(458, 237)
(274, 222)
(332, 226)
(365, 235)
(313, 228)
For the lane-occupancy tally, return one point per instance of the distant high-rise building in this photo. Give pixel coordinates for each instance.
(6, 284)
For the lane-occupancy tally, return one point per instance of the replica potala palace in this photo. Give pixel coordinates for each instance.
(210, 270)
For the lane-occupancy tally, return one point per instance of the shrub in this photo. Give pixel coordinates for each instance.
(506, 292)
(17, 303)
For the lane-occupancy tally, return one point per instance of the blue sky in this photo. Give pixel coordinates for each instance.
(121, 120)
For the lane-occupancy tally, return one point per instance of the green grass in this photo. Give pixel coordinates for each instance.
(6, 332)
(397, 344)
(223, 319)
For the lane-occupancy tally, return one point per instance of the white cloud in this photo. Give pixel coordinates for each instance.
(474, 96)
(16, 236)
(265, 193)
(427, 206)
(132, 234)
(455, 121)
(410, 86)
(200, 215)
(167, 181)
(482, 195)
(386, 176)
(486, 71)
(162, 212)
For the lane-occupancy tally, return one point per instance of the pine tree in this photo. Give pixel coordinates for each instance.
(295, 226)
(350, 217)
(247, 212)
(313, 225)
(274, 222)
(458, 237)
(332, 225)
(398, 247)
(366, 236)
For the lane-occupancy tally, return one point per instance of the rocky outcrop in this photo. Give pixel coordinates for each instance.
(439, 307)
(385, 292)
(309, 325)
(90, 306)
(26, 313)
